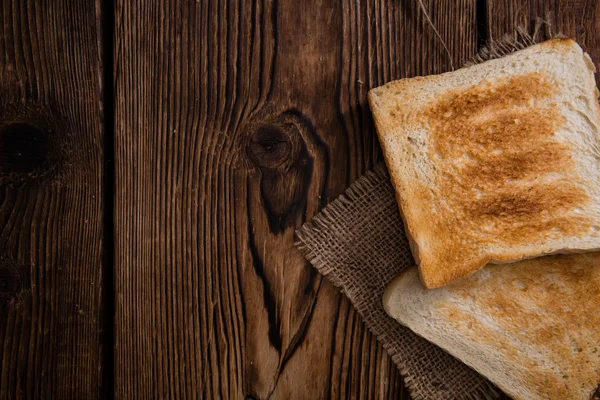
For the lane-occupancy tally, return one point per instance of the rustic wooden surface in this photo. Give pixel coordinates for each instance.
(51, 179)
(234, 122)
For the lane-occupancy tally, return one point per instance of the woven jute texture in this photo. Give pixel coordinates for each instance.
(358, 243)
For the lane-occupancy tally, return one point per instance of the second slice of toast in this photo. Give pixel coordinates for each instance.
(530, 327)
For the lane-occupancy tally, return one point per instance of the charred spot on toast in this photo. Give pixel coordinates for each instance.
(502, 164)
(537, 200)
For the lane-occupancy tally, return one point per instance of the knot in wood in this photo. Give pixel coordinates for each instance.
(269, 145)
(23, 148)
(11, 281)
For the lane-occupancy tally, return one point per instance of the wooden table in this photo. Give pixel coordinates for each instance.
(155, 160)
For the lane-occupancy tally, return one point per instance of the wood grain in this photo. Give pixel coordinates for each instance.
(51, 180)
(505, 16)
(235, 122)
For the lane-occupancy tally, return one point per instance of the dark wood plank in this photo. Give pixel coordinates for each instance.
(51, 179)
(505, 16)
(235, 122)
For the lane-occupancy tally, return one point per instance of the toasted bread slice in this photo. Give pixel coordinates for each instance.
(532, 328)
(495, 162)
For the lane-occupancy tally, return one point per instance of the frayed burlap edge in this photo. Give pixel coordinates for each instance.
(518, 40)
(329, 215)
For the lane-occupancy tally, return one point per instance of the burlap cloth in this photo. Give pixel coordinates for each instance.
(358, 243)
